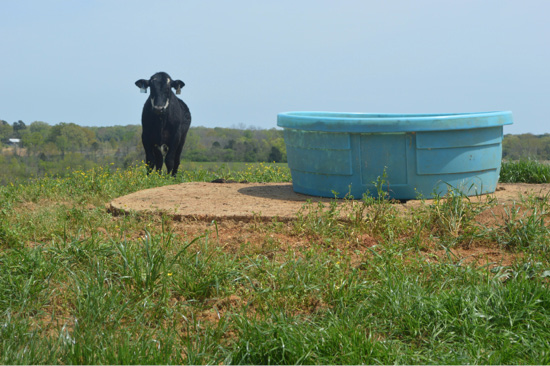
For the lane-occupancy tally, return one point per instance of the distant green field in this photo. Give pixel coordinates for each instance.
(251, 172)
(229, 166)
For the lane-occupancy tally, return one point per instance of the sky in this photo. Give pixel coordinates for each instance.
(245, 61)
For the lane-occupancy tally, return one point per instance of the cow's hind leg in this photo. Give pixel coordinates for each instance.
(171, 166)
(173, 161)
(175, 154)
(177, 160)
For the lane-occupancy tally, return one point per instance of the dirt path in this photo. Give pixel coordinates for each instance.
(245, 201)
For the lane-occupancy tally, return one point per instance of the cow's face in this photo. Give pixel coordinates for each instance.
(161, 85)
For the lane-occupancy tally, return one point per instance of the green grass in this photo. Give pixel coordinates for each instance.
(525, 171)
(80, 286)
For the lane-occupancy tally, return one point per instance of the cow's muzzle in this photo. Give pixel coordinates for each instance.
(159, 109)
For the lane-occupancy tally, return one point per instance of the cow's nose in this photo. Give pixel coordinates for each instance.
(159, 109)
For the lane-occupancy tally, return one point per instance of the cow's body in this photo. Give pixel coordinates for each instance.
(165, 120)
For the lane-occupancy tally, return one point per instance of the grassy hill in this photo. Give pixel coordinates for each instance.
(455, 280)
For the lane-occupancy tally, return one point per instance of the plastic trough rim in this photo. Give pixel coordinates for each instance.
(390, 123)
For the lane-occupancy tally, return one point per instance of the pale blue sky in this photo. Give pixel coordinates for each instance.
(244, 61)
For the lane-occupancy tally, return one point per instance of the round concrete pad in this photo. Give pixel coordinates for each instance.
(265, 201)
(211, 201)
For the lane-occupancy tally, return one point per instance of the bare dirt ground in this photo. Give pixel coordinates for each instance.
(238, 216)
(265, 201)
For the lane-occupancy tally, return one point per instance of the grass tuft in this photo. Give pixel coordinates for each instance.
(524, 171)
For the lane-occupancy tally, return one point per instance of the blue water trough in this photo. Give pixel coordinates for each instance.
(340, 154)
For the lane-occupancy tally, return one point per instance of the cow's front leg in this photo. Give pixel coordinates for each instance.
(159, 159)
(150, 159)
(177, 159)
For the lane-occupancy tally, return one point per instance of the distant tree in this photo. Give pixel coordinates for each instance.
(50, 149)
(40, 127)
(62, 143)
(275, 155)
(247, 134)
(279, 143)
(6, 131)
(71, 137)
(18, 127)
(230, 144)
(33, 141)
(96, 146)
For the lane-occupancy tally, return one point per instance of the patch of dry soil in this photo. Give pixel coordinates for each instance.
(245, 201)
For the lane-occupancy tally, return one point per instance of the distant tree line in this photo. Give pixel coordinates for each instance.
(46, 149)
(526, 146)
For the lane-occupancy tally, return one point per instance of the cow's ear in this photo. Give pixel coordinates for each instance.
(142, 84)
(177, 84)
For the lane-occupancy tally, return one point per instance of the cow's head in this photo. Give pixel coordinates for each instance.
(161, 85)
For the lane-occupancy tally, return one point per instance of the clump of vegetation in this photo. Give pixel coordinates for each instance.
(375, 214)
(525, 225)
(453, 217)
(524, 171)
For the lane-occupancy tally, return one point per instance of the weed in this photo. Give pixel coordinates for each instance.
(320, 220)
(524, 225)
(380, 213)
(453, 216)
(203, 273)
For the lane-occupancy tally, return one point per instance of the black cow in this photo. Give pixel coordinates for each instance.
(165, 120)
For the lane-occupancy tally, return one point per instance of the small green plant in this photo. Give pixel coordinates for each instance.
(147, 267)
(524, 225)
(320, 219)
(453, 215)
(202, 273)
(378, 211)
